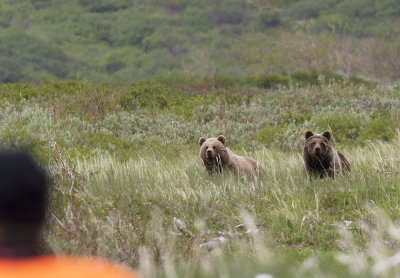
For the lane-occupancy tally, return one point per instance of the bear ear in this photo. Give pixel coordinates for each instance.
(308, 134)
(201, 141)
(221, 138)
(327, 134)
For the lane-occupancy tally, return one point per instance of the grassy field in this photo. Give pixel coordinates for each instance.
(125, 172)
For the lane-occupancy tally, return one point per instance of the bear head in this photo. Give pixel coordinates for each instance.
(318, 145)
(212, 147)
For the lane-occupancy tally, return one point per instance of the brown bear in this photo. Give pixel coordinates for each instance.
(320, 158)
(215, 156)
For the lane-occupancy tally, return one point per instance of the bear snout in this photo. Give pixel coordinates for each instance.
(317, 150)
(209, 154)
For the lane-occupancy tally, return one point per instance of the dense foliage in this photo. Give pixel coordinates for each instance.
(123, 40)
(171, 115)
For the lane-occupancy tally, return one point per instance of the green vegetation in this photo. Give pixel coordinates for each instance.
(121, 41)
(111, 97)
(123, 162)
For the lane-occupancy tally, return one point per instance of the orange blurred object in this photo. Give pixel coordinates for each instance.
(62, 267)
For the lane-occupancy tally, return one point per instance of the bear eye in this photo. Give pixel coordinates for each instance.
(214, 147)
(206, 147)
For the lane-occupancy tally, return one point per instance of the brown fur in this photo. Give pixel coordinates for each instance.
(215, 156)
(324, 161)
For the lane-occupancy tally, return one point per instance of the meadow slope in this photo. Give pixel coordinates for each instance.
(124, 40)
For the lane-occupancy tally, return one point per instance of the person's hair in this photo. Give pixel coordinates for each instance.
(23, 197)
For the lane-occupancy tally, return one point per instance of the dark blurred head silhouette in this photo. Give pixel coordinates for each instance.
(23, 203)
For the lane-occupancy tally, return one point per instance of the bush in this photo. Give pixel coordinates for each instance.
(130, 31)
(330, 77)
(10, 70)
(114, 66)
(345, 127)
(268, 80)
(159, 97)
(302, 79)
(41, 4)
(379, 127)
(355, 80)
(101, 6)
(269, 19)
(306, 9)
(353, 128)
(99, 141)
(294, 117)
(198, 19)
(19, 137)
(269, 133)
(232, 12)
(225, 81)
(175, 42)
(147, 96)
(34, 53)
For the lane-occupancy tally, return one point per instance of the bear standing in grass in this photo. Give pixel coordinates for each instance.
(216, 156)
(320, 158)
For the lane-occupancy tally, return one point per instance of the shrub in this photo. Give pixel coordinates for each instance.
(198, 19)
(148, 96)
(131, 31)
(41, 4)
(270, 80)
(23, 49)
(230, 13)
(269, 133)
(345, 127)
(101, 6)
(302, 79)
(20, 137)
(225, 81)
(330, 77)
(351, 128)
(355, 80)
(294, 117)
(159, 97)
(379, 127)
(269, 19)
(305, 10)
(10, 70)
(175, 42)
(114, 66)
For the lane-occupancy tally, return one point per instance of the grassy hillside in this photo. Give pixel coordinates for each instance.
(122, 40)
(124, 163)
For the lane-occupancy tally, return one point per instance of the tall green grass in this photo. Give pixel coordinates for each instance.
(124, 177)
(126, 210)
